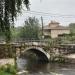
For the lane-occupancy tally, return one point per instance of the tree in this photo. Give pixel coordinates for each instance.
(72, 27)
(15, 32)
(8, 12)
(30, 29)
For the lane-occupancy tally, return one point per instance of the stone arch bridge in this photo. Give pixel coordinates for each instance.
(36, 47)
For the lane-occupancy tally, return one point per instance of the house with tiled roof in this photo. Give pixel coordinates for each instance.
(54, 29)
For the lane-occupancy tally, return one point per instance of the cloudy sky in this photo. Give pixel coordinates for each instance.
(62, 11)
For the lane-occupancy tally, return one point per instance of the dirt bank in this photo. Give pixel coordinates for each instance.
(6, 61)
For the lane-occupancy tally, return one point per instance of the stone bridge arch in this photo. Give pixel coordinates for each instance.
(40, 52)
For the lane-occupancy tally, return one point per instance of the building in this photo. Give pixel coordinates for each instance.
(54, 29)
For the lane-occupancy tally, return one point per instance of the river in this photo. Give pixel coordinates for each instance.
(40, 68)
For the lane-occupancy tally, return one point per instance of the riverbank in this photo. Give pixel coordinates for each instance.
(7, 61)
(7, 67)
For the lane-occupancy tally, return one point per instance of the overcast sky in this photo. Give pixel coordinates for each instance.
(55, 8)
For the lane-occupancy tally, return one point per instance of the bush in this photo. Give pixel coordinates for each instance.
(4, 73)
(8, 69)
(11, 69)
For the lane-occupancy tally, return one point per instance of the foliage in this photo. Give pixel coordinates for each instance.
(4, 73)
(15, 32)
(8, 11)
(30, 29)
(7, 70)
(68, 38)
(72, 27)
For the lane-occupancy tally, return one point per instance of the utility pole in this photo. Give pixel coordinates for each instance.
(42, 26)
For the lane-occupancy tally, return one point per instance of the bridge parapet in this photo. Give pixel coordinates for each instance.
(32, 41)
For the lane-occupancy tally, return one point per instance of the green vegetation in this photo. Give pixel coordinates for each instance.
(9, 10)
(72, 27)
(16, 32)
(7, 70)
(30, 30)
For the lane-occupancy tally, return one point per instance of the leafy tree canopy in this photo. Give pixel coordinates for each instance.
(8, 11)
(30, 29)
(72, 27)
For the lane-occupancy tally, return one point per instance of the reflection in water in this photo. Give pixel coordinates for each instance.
(36, 68)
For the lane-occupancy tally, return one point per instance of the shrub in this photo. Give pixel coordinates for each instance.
(7, 69)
